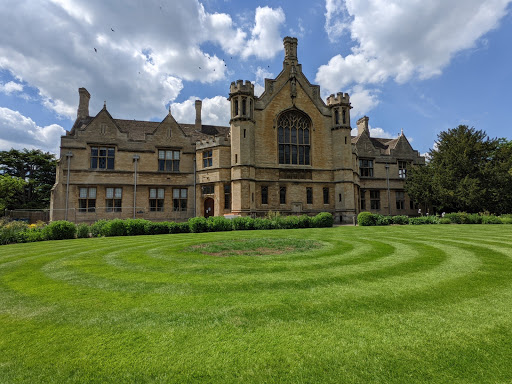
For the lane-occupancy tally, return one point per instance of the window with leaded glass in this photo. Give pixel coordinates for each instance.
(294, 138)
(363, 200)
(326, 195)
(264, 195)
(400, 200)
(208, 189)
(179, 199)
(169, 160)
(309, 195)
(402, 169)
(375, 200)
(87, 200)
(113, 199)
(102, 157)
(366, 167)
(282, 195)
(207, 158)
(156, 199)
(227, 196)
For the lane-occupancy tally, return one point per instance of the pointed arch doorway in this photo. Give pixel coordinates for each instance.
(209, 206)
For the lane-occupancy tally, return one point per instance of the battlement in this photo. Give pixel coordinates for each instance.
(240, 87)
(210, 142)
(340, 99)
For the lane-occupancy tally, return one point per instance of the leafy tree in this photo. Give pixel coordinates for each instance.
(37, 169)
(467, 171)
(11, 190)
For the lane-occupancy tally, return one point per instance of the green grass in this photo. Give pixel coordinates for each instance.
(425, 304)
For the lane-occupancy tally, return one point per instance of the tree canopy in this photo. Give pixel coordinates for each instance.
(29, 176)
(466, 171)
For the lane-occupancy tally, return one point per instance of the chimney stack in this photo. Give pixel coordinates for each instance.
(198, 114)
(83, 104)
(362, 125)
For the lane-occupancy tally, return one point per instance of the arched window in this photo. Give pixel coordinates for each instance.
(294, 138)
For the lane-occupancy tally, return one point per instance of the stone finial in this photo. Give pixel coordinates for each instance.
(83, 104)
(290, 50)
(198, 114)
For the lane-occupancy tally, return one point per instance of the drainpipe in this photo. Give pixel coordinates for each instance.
(195, 184)
(68, 156)
(135, 158)
(387, 181)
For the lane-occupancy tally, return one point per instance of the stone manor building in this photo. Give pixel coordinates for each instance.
(285, 151)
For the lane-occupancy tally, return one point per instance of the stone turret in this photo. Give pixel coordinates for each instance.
(340, 106)
(83, 104)
(242, 99)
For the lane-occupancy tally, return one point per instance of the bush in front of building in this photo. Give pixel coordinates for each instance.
(242, 223)
(116, 227)
(383, 220)
(10, 231)
(198, 224)
(444, 220)
(82, 231)
(424, 220)
(304, 221)
(179, 227)
(323, 220)
(157, 228)
(400, 220)
(366, 219)
(60, 230)
(135, 227)
(97, 228)
(219, 224)
(262, 224)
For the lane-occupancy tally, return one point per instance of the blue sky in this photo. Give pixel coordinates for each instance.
(419, 66)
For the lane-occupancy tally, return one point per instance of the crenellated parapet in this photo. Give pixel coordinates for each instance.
(340, 99)
(241, 96)
(210, 142)
(239, 87)
(340, 107)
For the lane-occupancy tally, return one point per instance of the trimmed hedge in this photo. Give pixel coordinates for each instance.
(60, 230)
(366, 219)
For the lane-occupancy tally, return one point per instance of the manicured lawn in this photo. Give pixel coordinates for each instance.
(409, 304)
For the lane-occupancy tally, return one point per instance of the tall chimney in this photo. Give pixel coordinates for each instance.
(83, 104)
(362, 125)
(198, 114)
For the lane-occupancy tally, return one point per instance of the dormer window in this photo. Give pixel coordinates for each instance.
(366, 168)
(169, 161)
(402, 169)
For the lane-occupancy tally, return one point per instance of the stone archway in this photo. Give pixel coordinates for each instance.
(209, 206)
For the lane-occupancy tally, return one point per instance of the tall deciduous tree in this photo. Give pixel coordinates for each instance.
(466, 171)
(37, 169)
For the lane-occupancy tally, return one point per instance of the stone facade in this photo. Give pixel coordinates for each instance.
(284, 151)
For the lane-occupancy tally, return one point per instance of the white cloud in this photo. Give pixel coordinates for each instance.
(259, 83)
(214, 111)
(362, 100)
(375, 132)
(336, 19)
(300, 31)
(18, 131)
(265, 40)
(11, 87)
(402, 40)
(136, 56)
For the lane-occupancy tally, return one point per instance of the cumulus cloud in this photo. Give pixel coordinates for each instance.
(214, 111)
(362, 100)
(259, 83)
(402, 40)
(265, 41)
(11, 87)
(137, 66)
(18, 131)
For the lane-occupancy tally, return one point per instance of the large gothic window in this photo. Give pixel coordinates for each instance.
(294, 138)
